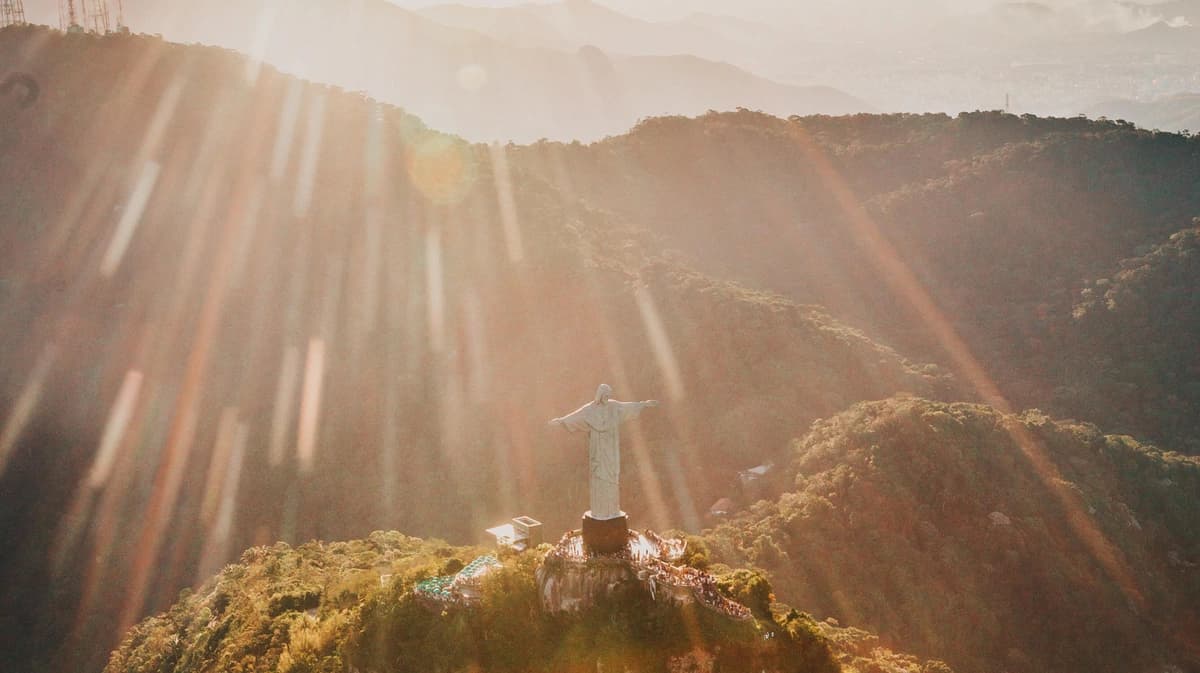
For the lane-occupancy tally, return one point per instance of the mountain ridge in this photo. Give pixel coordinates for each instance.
(1176, 112)
(458, 80)
(955, 507)
(1001, 219)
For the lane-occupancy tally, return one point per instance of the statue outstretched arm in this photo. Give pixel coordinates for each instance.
(631, 410)
(574, 421)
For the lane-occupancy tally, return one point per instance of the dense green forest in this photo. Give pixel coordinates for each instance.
(995, 541)
(1128, 355)
(1003, 221)
(383, 318)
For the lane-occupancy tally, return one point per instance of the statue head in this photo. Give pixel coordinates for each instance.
(603, 393)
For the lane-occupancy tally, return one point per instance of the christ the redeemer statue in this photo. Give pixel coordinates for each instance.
(601, 419)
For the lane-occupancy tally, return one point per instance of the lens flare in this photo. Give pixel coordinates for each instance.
(114, 429)
(508, 209)
(310, 405)
(131, 217)
(285, 393)
(435, 291)
(442, 169)
(310, 156)
(285, 132)
(664, 354)
(27, 401)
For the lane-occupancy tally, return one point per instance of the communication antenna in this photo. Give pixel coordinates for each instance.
(67, 19)
(95, 16)
(12, 13)
(121, 27)
(90, 16)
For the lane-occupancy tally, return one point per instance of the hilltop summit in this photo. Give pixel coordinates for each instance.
(326, 608)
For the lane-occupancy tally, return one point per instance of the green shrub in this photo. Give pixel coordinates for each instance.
(302, 598)
(750, 588)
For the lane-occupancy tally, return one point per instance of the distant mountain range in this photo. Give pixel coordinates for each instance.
(517, 81)
(571, 24)
(575, 23)
(1049, 58)
(1169, 113)
(582, 70)
(1161, 37)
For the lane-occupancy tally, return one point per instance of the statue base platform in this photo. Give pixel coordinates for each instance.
(605, 536)
(574, 577)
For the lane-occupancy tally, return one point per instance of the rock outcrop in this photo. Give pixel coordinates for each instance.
(573, 578)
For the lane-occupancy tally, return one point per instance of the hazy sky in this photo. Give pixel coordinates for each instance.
(875, 15)
(842, 19)
(761, 10)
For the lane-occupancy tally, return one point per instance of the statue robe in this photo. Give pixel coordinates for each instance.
(602, 421)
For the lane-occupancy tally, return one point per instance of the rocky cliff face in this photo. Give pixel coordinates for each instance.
(571, 578)
(570, 587)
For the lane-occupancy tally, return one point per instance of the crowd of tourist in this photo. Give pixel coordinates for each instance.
(659, 575)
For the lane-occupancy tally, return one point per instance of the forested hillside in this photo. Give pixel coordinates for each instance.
(1129, 351)
(335, 320)
(994, 542)
(999, 221)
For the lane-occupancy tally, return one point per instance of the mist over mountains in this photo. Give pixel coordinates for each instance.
(469, 83)
(581, 69)
(1054, 58)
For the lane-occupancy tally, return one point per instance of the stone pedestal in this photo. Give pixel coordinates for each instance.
(605, 536)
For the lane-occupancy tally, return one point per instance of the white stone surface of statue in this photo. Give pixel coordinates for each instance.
(601, 419)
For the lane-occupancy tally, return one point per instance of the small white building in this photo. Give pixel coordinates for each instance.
(520, 534)
(754, 474)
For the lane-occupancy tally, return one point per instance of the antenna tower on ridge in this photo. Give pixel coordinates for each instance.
(121, 27)
(95, 16)
(12, 13)
(67, 19)
(91, 16)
